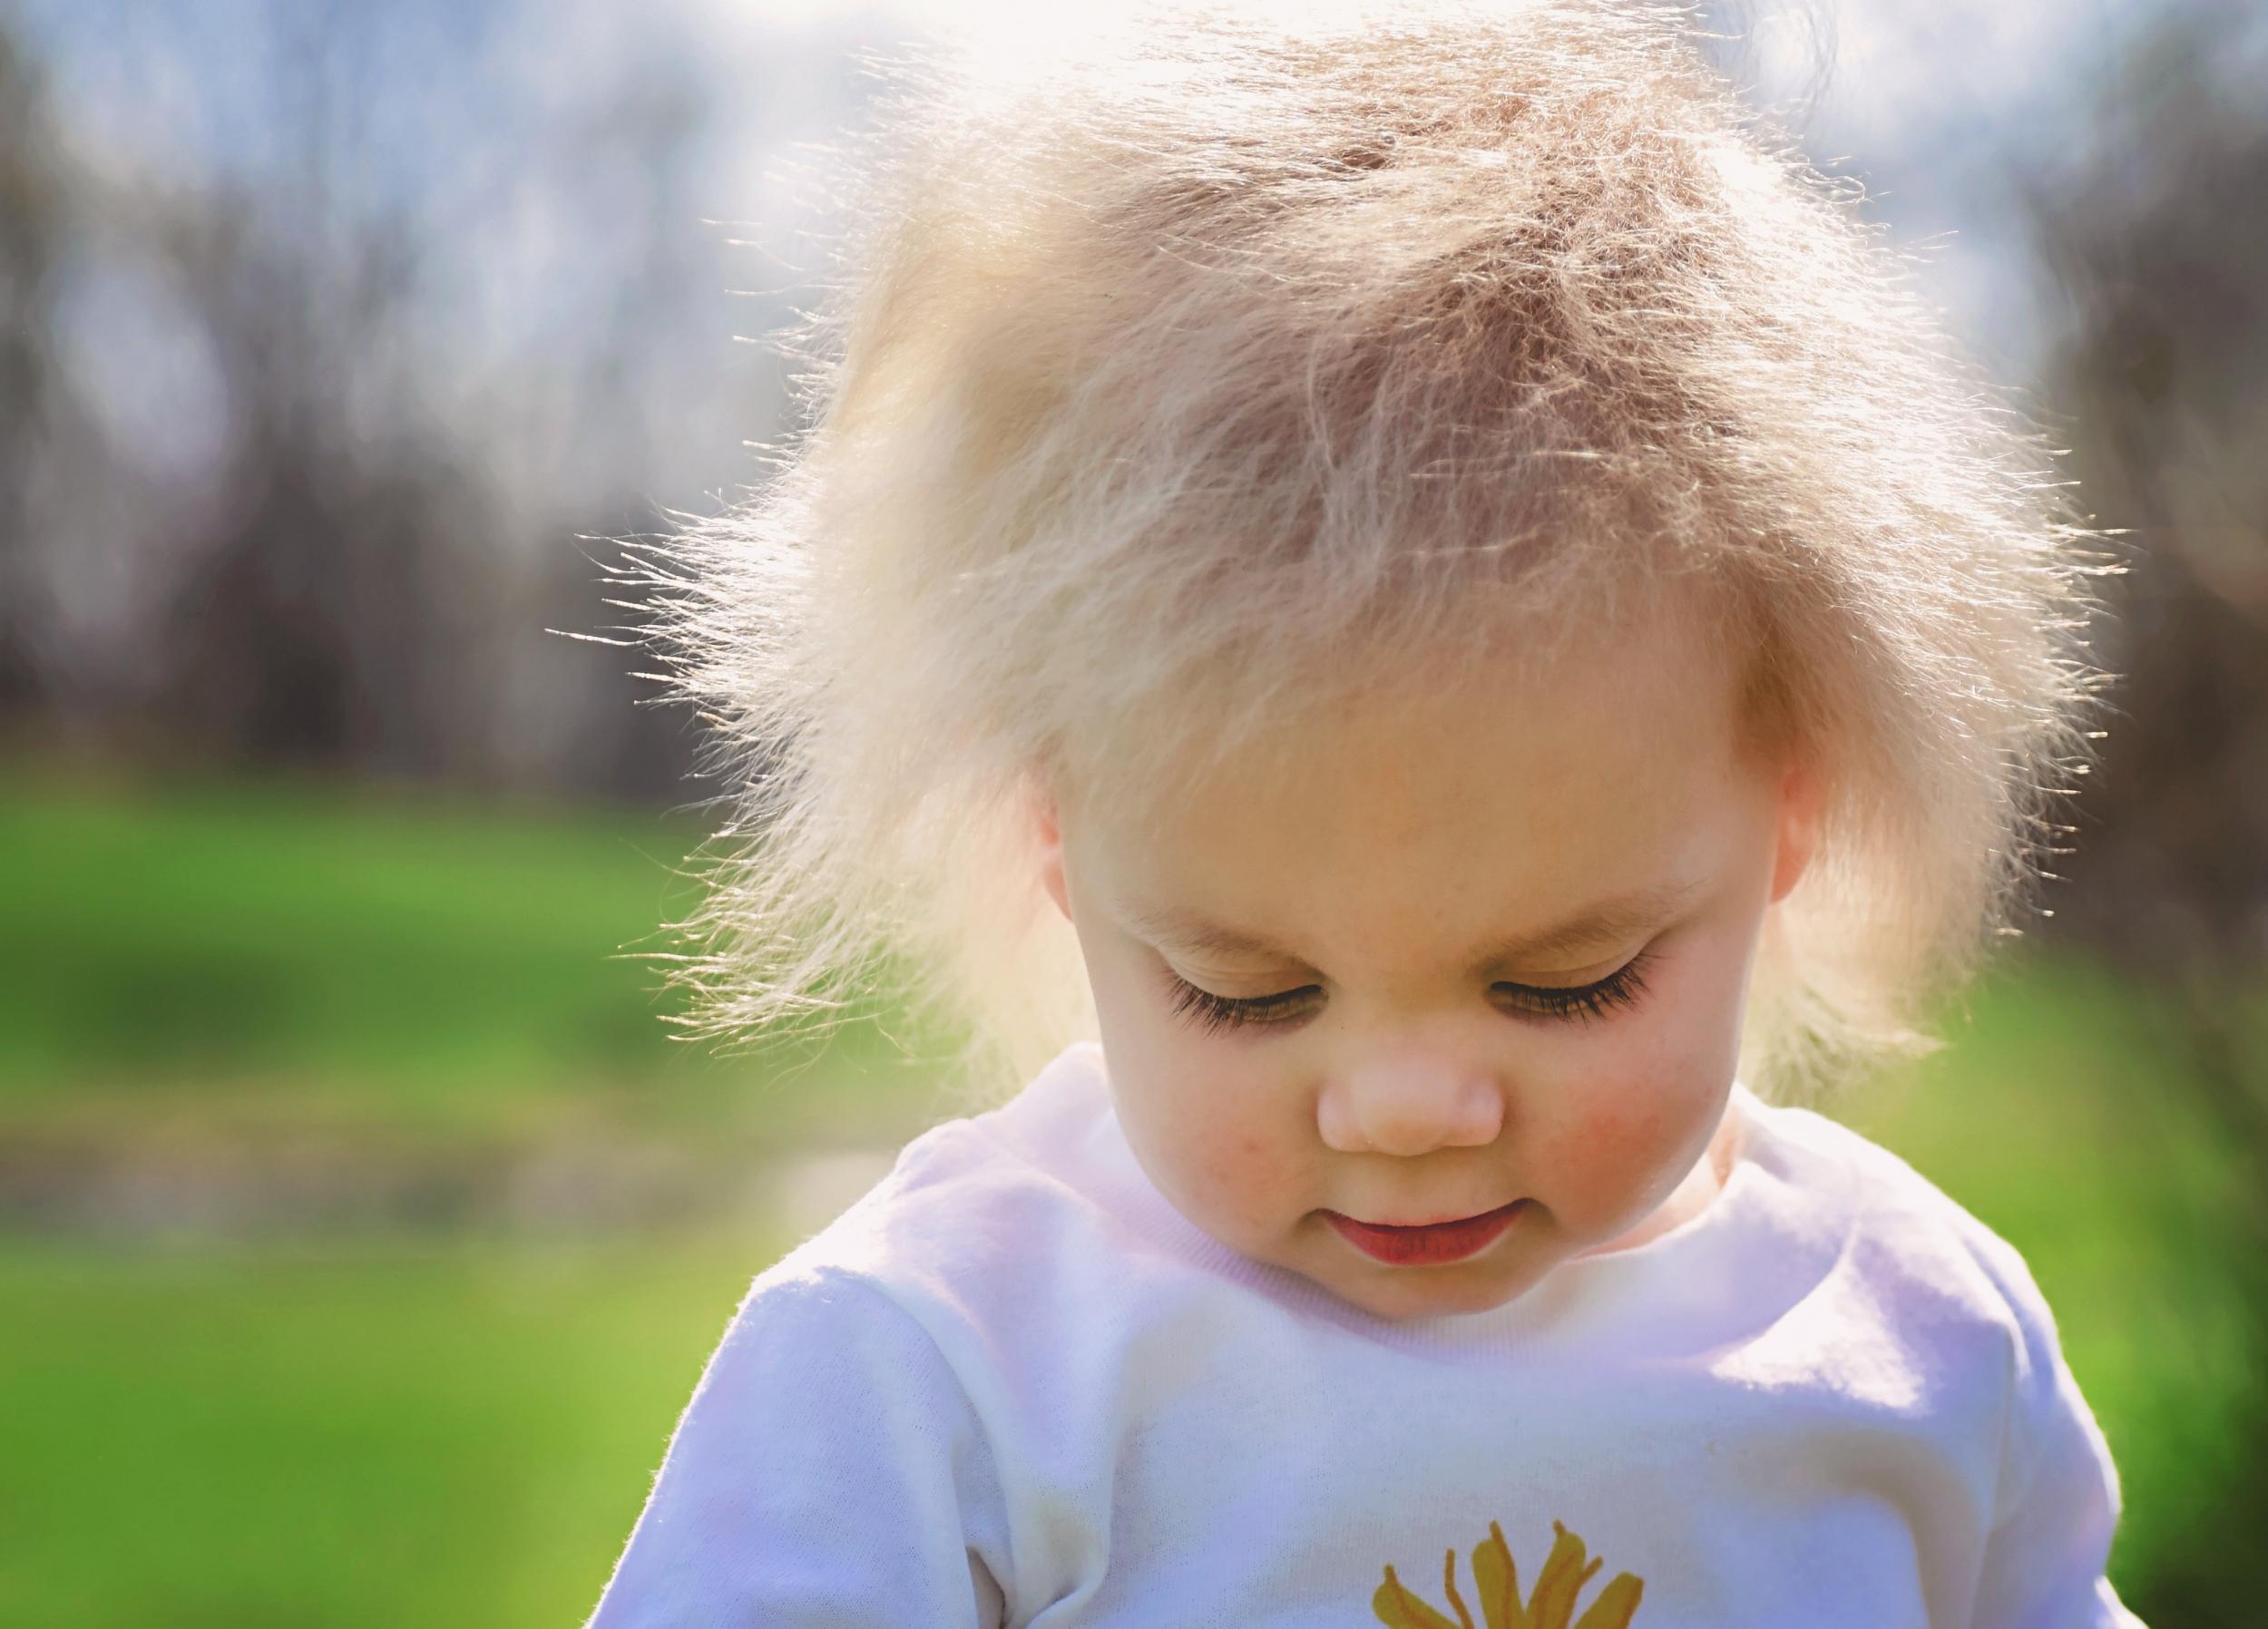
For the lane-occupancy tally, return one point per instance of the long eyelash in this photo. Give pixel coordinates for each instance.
(1622, 988)
(1213, 1012)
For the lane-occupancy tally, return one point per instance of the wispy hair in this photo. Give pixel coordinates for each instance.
(1184, 376)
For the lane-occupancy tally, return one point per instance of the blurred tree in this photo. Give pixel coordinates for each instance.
(2153, 231)
(31, 226)
(340, 602)
(2157, 237)
(325, 498)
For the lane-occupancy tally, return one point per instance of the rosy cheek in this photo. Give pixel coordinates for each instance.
(1243, 1172)
(1618, 1144)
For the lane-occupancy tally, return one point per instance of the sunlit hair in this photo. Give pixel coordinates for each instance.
(1188, 376)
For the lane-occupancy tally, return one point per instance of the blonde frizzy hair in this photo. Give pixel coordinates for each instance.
(1183, 377)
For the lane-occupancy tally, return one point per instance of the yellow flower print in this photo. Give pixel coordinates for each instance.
(1495, 1575)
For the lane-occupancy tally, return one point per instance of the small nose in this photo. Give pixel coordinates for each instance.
(1410, 1104)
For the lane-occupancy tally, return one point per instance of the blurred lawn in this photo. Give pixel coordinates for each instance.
(285, 931)
(291, 950)
(364, 1439)
(461, 1432)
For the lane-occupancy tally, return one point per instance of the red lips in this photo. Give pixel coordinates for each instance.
(1443, 1241)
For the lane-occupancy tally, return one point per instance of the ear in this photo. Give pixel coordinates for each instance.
(1803, 801)
(1049, 835)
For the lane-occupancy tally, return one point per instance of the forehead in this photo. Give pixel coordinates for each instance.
(1493, 796)
(1633, 695)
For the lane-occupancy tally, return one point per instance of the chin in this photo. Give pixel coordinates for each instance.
(1425, 1297)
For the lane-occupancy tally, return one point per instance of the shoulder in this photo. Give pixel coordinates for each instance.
(1954, 1293)
(1954, 1309)
(1963, 1306)
(958, 1203)
(830, 1465)
(811, 1341)
(1010, 1216)
(1907, 1232)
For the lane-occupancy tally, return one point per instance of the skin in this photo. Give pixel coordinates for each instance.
(1407, 1083)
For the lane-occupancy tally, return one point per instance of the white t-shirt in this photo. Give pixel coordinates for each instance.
(1014, 1386)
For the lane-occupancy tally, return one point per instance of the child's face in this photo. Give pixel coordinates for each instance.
(1396, 1073)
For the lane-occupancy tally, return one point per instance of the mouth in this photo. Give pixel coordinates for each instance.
(1427, 1243)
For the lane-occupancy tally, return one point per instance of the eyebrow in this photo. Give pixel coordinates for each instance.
(1625, 915)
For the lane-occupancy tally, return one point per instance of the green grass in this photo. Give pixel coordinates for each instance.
(388, 1436)
(236, 947)
(279, 930)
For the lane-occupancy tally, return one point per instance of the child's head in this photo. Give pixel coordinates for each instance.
(1474, 939)
(1381, 482)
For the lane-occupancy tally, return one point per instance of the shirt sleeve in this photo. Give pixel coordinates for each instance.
(2057, 1502)
(830, 1473)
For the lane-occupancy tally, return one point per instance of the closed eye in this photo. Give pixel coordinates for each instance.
(1202, 1009)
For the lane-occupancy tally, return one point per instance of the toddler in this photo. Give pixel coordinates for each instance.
(1408, 622)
